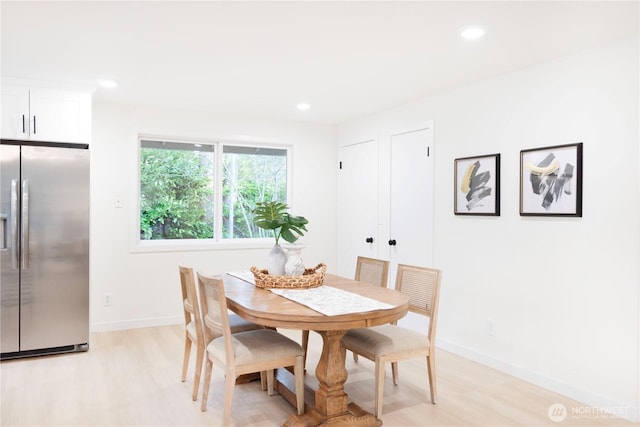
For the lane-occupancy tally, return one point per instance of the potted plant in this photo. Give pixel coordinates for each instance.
(274, 216)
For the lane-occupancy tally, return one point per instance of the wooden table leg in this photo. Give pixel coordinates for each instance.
(332, 407)
(331, 400)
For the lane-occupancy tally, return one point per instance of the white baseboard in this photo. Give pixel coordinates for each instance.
(623, 410)
(137, 323)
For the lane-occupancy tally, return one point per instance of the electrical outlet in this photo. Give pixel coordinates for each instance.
(118, 202)
(491, 324)
(106, 299)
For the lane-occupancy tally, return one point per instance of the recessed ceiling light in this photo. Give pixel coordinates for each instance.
(472, 32)
(303, 106)
(108, 84)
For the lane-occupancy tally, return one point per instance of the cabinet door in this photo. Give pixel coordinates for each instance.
(57, 115)
(15, 112)
(357, 205)
(411, 199)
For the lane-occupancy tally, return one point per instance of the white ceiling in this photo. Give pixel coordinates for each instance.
(346, 59)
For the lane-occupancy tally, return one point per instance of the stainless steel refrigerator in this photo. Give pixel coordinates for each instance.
(44, 248)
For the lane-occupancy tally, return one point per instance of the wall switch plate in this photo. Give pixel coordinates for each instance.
(106, 299)
(118, 202)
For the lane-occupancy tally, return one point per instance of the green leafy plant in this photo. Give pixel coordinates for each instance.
(175, 190)
(273, 216)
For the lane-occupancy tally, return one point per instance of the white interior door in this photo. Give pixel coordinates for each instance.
(357, 204)
(411, 199)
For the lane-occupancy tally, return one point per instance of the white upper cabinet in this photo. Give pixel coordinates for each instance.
(15, 112)
(39, 114)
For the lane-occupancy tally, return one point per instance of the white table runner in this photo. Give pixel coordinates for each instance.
(245, 275)
(327, 300)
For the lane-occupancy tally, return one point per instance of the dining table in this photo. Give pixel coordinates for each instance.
(338, 305)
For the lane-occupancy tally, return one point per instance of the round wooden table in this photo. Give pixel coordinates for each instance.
(331, 405)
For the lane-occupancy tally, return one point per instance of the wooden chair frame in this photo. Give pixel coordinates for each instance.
(216, 320)
(195, 333)
(423, 287)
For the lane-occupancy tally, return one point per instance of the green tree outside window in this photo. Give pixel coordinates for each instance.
(177, 189)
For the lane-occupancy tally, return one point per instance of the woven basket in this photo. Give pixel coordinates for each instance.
(311, 278)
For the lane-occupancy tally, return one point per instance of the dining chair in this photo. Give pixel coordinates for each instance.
(369, 270)
(246, 352)
(393, 343)
(194, 332)
(373, 271)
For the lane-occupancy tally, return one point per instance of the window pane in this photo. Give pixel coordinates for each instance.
(176, 190)
(251, 174)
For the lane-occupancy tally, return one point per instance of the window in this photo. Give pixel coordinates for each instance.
(250, 175)
(187, 192)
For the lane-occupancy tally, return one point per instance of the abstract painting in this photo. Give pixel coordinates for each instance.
(477, 185)
(551, 181)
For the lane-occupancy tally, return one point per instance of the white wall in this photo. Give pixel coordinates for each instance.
(563, 292)
(144, 287)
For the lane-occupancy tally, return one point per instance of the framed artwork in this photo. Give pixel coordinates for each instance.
(477, 185)
(551, 181)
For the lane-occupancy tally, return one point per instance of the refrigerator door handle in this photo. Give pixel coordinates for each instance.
(3, 232)
(14, 224)
(25, 224)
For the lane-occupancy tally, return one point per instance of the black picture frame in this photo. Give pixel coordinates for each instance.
(477, 185)
(551, 181)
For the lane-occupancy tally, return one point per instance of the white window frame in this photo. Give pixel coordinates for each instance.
(216, 243)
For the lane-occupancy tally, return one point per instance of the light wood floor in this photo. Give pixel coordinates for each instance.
(132, 378)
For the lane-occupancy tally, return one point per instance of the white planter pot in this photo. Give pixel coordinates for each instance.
(294, 265)
(276, 260)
